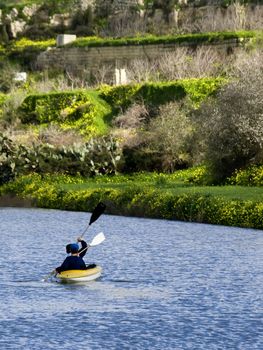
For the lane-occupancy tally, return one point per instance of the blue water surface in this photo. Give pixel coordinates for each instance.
(165, 284)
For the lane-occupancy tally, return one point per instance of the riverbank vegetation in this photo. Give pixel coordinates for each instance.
(159, 127)
(183, 140)
(146, 195)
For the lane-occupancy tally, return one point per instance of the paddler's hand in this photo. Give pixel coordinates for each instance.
(79, 239)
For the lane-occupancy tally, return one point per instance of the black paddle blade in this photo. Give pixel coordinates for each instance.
(100, 208)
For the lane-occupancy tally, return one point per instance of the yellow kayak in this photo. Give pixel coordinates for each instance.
(75, 276)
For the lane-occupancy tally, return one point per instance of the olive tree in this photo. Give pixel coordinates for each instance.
(170, 134)
(230, 126)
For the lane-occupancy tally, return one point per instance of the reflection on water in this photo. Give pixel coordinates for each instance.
(165, 285)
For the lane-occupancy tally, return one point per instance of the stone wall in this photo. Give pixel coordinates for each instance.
(92, 58)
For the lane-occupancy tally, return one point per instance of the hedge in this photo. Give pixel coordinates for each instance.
(159, 93)
(252, 176)
(83, 111)
(90, 111)
(195, 39)
(141, 201)
(25, 46)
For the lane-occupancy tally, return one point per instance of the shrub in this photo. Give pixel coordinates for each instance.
(197, 175)
(170, 135)
(160, 139)
(119, 97)
(26, 51)
(10, 105)
(136, 159)
(133, 117)
(7, 164)
(252, 176)
(7, 75)
(77, 110)
(230, 127)
(160, 93)
(2, 101)
(182, 63)
(24, 44)
(54, 135)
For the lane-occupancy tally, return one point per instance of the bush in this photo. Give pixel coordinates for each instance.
(151, 145)
(10, 105)
(82, 111)
(182, 63)
(160, 93)
(230, 127)
(3, 98)
(136, 159)
(252, 176)
(7, 165)
(133, 118)
(7, 75)
(24, 44)
(170, 135)
(26, 51)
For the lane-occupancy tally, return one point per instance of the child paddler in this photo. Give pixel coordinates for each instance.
(75, 260)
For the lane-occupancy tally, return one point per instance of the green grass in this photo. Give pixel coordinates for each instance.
(165, 183)
(163, 39)
(25, 44)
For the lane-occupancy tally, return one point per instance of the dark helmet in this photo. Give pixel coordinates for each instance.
(72, 248)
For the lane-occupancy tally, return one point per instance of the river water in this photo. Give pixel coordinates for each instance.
(165, 285)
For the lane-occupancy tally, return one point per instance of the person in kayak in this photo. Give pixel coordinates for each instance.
(75, 260)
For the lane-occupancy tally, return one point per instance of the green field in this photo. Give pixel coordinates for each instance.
(243, 193)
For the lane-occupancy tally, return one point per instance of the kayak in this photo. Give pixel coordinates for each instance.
(75, 276)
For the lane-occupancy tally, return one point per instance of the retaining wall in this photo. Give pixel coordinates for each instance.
(92, 58)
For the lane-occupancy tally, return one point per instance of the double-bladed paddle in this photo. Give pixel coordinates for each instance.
(99, 238)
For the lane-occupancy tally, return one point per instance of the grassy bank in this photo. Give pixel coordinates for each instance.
(194, 39)
(154, 195)
(24, 46)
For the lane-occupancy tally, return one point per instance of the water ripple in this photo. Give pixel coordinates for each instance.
(165, 285)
